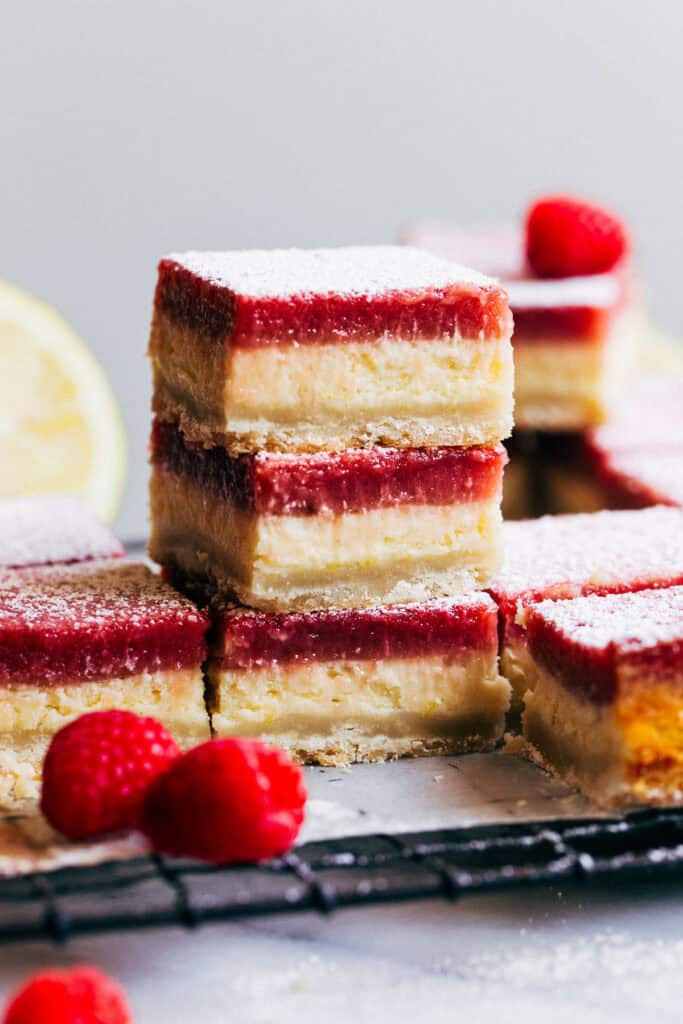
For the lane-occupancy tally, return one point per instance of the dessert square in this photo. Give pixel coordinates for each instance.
(52, 529)
(339, 686)
(86, 637)
(559, 557)
(574, 338)
(633, 461)
(304, 531)
(324, 349)
(606, 706)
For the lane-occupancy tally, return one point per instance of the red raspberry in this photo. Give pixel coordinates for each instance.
(82, 995)
(226, 800)
(566, 237)
(97, 770)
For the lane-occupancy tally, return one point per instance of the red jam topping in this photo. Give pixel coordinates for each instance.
(328, 296)
(251, 638)
(557, 557)
(349, 481)
(585, 642)
(99, 620)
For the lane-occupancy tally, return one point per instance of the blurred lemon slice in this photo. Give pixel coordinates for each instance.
(60, 426)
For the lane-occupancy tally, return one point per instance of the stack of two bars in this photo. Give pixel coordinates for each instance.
(327, 475)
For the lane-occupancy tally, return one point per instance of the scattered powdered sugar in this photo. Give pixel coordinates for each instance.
(657, 476)
(630, 622)
(499, 251)
(591, 550)
(94, 594)
(651, 418)
(52, 529)
(354, 271)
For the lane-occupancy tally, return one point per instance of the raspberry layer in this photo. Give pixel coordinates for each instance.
(93, 621)
(593, 644)
(333, 482)
(557, 557)
(249, 638)
(327, 296)
(50, 530)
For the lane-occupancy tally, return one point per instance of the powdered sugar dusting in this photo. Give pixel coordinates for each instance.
(650, 476)
(48, 530)
(650, 417)
(93, 620)
(629, 622)
(500, 253)
(95, 594)
(353, 271)
(588, 551)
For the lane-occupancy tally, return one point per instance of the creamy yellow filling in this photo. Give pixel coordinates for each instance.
(565, 385)
(356, 702)
(175, 697)
(30, 714)
(389, 376)
(313, 392)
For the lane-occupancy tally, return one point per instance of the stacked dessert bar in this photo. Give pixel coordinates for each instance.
(326, 478)
(592, 641)
(574, 344)
(83, 628)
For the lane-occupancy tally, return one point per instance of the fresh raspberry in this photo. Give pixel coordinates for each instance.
(566, 237)
(97, 770)
(82, 995)
(226, 800)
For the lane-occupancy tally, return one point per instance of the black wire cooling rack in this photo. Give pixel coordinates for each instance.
(324, 876)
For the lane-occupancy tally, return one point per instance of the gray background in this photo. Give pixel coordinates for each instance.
(131, 128)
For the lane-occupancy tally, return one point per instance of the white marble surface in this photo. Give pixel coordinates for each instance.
(602, 953)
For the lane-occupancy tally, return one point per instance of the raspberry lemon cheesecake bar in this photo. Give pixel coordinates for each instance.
(606, 706)
(90, 636)
(325, 349)
(340, 686)
(303, 531)
(576, 318)
(559, 557)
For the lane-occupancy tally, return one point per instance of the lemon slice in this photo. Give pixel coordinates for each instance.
(60, 426)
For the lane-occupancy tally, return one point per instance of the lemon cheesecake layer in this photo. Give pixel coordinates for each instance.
(382, 555)
(30, 714)
(431, 391)
(345, 711)
(562, 384)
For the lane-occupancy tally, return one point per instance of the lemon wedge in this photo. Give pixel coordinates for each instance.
(60, 426)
